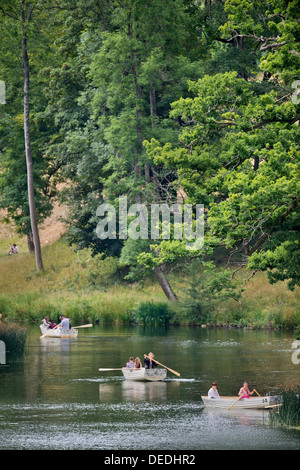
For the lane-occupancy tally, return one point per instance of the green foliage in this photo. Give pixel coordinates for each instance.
(152, 100)
(240, 157)
(205, 287)
(103, 271)
(289, 411)
(152, 313)
(14, 337)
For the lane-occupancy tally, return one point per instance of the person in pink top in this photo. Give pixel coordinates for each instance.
(245, 392)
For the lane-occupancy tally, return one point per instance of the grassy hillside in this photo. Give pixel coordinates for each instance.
(74, 284)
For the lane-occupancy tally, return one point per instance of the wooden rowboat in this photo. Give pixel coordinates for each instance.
(244, 403)
(58, 332)
(150, 375)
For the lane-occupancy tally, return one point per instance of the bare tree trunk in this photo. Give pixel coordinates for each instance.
(33, 220)
(30, 243)
(164, 284)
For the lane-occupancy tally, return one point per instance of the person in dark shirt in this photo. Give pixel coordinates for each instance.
(150, 363)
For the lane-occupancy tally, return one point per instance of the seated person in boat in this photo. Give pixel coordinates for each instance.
(149, 361)
(130, 364)
(213, 392)
(65, 323)
(47, 323)
(137, 363)
(245, 392)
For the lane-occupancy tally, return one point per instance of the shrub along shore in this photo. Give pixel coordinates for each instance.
(89, 290)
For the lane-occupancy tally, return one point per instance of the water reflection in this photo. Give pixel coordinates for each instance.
(132, 391)
(56, 398)
(243, 417)
(56, 344)
(144, 391)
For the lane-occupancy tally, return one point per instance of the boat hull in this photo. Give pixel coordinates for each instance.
(148, 375)
(59, 332)
(245, 403)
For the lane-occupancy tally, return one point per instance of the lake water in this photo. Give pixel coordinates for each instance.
(56, 398)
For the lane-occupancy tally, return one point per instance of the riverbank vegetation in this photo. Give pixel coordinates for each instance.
(14, 337)
(90, 289)
(189, 105)
(288, 413)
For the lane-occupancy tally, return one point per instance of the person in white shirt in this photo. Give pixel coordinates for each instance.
(14, 250)
(65, 323)
(213, 392)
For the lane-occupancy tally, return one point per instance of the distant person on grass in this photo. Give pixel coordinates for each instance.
(14, 250)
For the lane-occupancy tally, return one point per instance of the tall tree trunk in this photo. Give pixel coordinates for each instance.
(32, 210)
(30, 243)
(164, 284)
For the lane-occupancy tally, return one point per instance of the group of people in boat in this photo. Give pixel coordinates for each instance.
(65, 323)
(243, 393)
(136, 363)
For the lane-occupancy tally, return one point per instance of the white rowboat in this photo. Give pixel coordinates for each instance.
(58, 332)
(245, 403)
(150, 375)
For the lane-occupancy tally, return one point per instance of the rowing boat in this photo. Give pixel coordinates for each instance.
(150, 375)
(245, 403)
(58, 332)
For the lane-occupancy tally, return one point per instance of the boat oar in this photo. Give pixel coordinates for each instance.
(257, 392)
(50, 329)
(83, 326)
(234, 403)
(171, 370)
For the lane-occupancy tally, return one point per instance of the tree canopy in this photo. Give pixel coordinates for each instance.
(189, 102)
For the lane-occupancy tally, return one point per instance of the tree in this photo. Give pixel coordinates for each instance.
(239, 152)
(18, 17)
(25, 19)
(113, 89)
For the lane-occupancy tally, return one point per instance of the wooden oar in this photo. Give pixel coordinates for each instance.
(234, 403)
(102, 370)
(83, 326)
(171, 370)
(257, 392)
(50, 329)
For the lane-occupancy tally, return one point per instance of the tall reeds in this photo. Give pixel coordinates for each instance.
(14, 337)
(289, 411)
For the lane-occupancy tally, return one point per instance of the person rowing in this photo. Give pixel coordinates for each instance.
(245, 392)
(149, 361)
(65, 323)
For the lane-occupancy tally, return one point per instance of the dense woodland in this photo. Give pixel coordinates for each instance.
(190, 101)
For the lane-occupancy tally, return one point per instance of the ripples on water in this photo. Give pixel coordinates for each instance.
(57, 400)
(143, 426)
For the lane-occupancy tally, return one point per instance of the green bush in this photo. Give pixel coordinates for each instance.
(102, 271)
(152, 313)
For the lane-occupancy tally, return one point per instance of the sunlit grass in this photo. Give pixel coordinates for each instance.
(64, 286)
